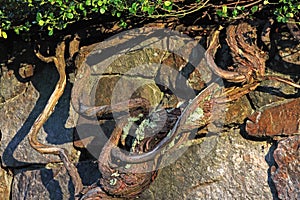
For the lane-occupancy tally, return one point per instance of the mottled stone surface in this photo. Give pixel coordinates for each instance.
(286, 175)
(50, 183)
(283, 61)
(269, 92)
(5, 184)
(146, 64)
(10, 86)
(222, 167)
(118, 88)
(42, 184)
(238, 111)
(19, 112)
(144, 55)
(225, 166)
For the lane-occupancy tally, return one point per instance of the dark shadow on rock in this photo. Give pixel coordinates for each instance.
(37, 182)
(8, 158)
(18, 52)
(71, 190)
(246, 136)
(271, 162)
(91, 138)
(88, 171)
(268, 158)
(54, 127)
(44, 82)
(276, 92)
(280, 65)
(51, 184)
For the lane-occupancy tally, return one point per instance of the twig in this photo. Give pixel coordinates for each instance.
(59, 62)
(209, 55)
(237, 3)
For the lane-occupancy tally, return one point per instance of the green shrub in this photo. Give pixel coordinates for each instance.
(54, 15)
(284, 10)
(287, 10)
(51, 15)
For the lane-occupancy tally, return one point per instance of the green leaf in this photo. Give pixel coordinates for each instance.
(254, 9)
(95, 9)
(26, 28)
(123, 24)
(72, 8)
(284, 20)
(151, 10)
(17, 31)
(234, 12)
(167, 3)
(38, 16)
(41, 23)
(224, 10)
(290, 15)
(80, 6)
(279, 18)
(3, 34)
(102, 10)
(133, 8)
(134, 5)
(70, 15)
(169, 8)
(298, 6)
(118, 14)
(51, 16)
(145, 8)
(95, 2)
(219, 13)
(50, 32)
(88, 2)
(113, 13)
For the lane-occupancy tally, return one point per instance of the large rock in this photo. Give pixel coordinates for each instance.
(22, 105)
(226, 166)
(286, 172)
(50, 183)
(118, 88)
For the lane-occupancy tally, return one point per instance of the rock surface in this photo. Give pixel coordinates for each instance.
(42, 184)
(19, 111)
(50, 183)
(286, 175)
(225, 166)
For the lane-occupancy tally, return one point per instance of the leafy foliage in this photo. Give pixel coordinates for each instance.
(287, 10)
(237, 11)
(284, 10)
(54, 15)
(51, 15)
